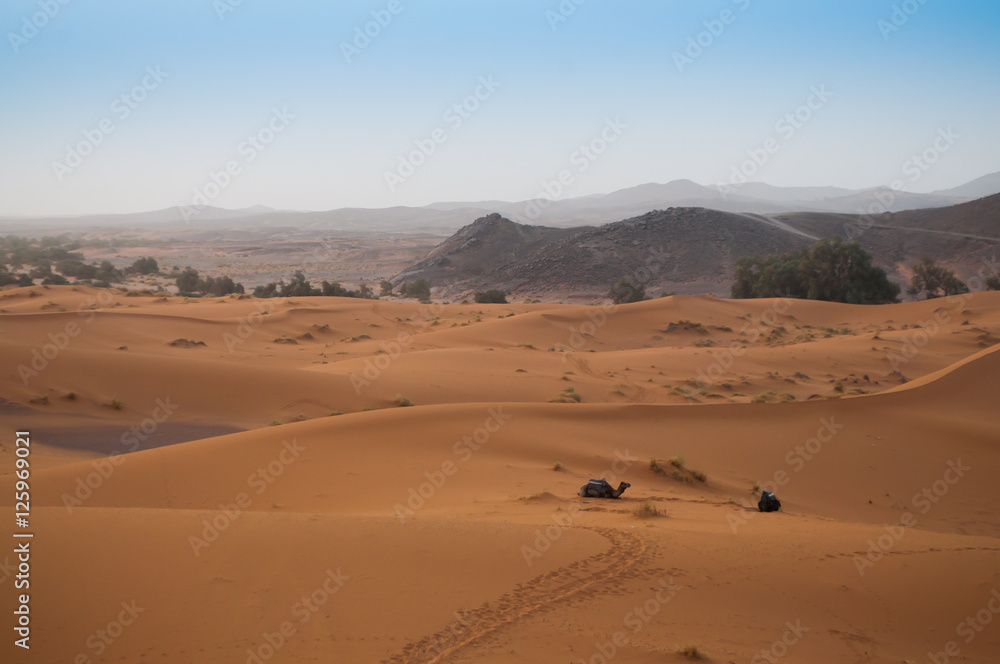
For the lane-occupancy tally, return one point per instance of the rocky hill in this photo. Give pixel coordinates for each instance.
(679, 249)
(478, 251)
(691, 250)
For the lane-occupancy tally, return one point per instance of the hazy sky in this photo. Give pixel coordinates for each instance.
(117, 106)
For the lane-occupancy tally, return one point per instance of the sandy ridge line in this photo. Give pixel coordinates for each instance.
(538, 594)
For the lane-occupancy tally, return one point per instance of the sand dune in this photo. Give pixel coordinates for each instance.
(445, 532)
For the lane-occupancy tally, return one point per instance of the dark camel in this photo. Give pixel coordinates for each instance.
(601, 489)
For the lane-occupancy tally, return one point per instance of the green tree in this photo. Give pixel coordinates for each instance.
(144, 266)
(107, 273)
(492, 296)
(832, 270)
(934, 280)
(386, 288)
(419, 289)
(626, 290)
(188, 281)
(298, 286)
(993, 283)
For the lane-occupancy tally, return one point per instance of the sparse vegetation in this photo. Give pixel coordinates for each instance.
(627, 290)
(773, 397)
(691, 652)
(116, 403)
(419, 290)
(299, 286)
(402, 401)
(655, 467)
(568, 395)
(647, 510)
(557, 466)
(934, 281)
(492, 296)
(832, 270)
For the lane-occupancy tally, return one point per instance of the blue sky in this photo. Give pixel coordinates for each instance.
(555, 85)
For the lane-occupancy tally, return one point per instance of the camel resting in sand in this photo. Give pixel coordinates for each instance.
(601, 489)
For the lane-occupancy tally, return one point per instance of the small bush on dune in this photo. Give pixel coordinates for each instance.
(402, 401)
(655, 466)
(557, 466)
(678, 461)
(692, 652)
(647, 511)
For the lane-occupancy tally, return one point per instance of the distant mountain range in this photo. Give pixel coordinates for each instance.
(752, 197)
(692, 249)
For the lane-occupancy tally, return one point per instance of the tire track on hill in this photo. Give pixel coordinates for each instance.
(583, 578)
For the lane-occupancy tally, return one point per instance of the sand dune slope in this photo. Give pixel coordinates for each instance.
(452, 532)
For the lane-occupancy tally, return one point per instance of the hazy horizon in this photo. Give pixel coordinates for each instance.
(164, 97)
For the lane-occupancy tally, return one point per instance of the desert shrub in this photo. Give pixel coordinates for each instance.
(935, 281)
(419, 289)
(492, 296)
(647, 510)
(402, 401)
(692, 652)
(626, 290)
